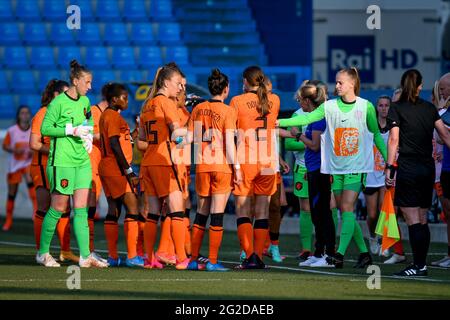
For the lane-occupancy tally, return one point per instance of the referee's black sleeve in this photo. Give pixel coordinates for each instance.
(393, 119)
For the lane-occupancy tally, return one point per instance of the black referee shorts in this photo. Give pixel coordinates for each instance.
(414, 182)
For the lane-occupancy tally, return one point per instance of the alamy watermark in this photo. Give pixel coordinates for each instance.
(374, 20)
(374, 280)
(74, 20)
(73, 281)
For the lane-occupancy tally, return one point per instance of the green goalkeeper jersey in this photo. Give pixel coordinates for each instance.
(66, 151)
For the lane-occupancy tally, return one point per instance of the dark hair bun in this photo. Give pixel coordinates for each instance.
(74, 64)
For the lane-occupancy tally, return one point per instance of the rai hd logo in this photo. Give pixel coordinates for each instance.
(351, 51)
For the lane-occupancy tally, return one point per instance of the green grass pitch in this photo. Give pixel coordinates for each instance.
(22, 278)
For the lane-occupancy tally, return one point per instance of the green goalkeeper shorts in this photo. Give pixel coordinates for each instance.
(352, 181)
(66, 180)
(300, 182)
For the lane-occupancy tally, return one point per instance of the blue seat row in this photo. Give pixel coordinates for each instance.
(90, 33)
(95, 57)
(100, 10)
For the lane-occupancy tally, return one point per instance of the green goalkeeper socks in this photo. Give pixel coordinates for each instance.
(48, 229)
(359, 238)
(81, 228)
(348, 228)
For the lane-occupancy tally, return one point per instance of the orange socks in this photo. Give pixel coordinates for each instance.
(131, 229)
(165, 239)
(91, 216)
(38, 218)
(63, 231)
(150, 230)
(261, 232)
(9, 213)
(187, 240)
(215, 236)
(245, 234)
(140, 241)
(198, 231)
(112, 235)
(178, 229)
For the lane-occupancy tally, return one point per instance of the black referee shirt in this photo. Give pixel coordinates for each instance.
(416, 123)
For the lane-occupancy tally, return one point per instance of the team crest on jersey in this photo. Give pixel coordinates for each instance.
(298, 186)
(64, 183)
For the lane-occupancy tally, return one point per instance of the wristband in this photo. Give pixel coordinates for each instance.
(129, 170)
(237, 167)
(391, 167)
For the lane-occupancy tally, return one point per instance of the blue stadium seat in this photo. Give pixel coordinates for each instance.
(85, 9)
(89, 34)
(60, 35)
(107, 11)
(35, 33)
(132, 76)
(179, 54)
(161, 10)
(31, 100)
(169, 32)
(9, 34)
(42, 57)
(7, 106)
(4, 84)
(6, 12)
(54, 10)
(134, 11)
(142, 33)
(97, 58)
(115, 34)
(23, 81)
(67, 54)
(149, 56)
(123, 57)
(46, 75)
(15, 57)
(27, 10)
(100, 78)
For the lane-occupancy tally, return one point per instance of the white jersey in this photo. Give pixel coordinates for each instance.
(346, 144)
(375, 179)
(17, 139)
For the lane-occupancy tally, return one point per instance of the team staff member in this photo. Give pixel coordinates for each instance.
(163, 180)
(40, 146)
(347, 153)
(412, 121)
(256, 113)
(69, 167)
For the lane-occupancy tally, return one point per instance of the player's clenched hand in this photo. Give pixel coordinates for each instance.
(133, 179)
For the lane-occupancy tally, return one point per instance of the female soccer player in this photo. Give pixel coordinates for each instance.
(19, 160)
(347, 150)
(40, 145)
(256, 113)
(375, 189)
(162, 178)
(69, 167)
(209, 125)
(118, 179)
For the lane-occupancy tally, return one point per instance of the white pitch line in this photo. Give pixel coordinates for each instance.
(21, 244)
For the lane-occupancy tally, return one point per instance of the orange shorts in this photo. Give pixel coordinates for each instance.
(16, 177)
(39, 176)
(255, 183)
(115, 186)
(438, 188)
(208, 183)
(160, 181)
(278, 178)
